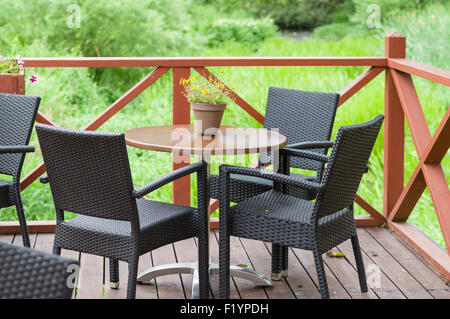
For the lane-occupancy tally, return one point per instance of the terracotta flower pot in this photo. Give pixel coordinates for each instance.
(12, 83)
(207, 117)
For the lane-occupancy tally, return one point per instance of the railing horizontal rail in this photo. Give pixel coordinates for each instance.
(99, 62)
(420, 69)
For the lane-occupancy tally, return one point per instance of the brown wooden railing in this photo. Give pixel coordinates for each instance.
(400, 101)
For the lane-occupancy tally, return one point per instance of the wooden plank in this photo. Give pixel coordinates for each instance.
(261, 261)
(424, 246)
(358, 83)
(386, 288)
(101, 62)
(336, 290)
(146, 291)
(7, 238)
(420, 69)
(44, 242)
(435, 151)
(236, 257)
(409, 286)
(181, 107)
(121, 292)
(43, 119)
(170, 286)
(440, 196)
(19, 242)
(394, 142)
(90, 283)
(423, 274)
(298, 278)
(186, 252)
(348, 277)
(413, 111)
(34, 226)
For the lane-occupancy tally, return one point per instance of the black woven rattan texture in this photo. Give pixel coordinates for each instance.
(30, 274)
(17, 115)
(286, 220)
(299, 115)
(89, 174)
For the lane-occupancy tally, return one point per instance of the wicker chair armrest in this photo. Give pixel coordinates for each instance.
(304, 154)
(270, 175)
(311, 145)
(16, 149)
(167, 178)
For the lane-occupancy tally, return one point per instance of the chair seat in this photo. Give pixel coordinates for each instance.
(5, 197)
(273, 204)
(151, 214)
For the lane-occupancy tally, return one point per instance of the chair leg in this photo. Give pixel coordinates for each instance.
(132, 277)
(22, 220)
(276, 262)
(114, 273)
(56, 250)
(224, 264)
(359, 263)
(203, 265)
(284, 260)
(320, 269)
(280, 255)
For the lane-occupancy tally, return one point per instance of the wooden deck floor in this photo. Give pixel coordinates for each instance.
(402, 273)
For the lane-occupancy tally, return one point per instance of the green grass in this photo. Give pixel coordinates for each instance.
(72, 98)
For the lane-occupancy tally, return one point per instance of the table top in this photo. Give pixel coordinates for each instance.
(181, 139)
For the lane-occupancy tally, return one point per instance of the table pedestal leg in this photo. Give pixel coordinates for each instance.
(192, 268)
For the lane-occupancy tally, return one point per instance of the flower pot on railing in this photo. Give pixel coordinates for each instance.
(207, 117)
(13, 83)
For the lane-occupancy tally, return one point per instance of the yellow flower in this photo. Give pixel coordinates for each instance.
(233, 87)
(222, 71)
(205, 91)
(228, 79)
(221, 85)
(211, 79)
(196, 87)
(194, 77)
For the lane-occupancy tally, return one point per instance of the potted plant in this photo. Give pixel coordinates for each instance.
(208, 99)
(12, 75)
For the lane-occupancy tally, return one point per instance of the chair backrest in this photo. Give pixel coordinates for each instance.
(347, 164)
(89, 172)
(31, 274)
(301, 116)
(17, 115)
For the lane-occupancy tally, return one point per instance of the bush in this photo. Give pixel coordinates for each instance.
(246, 31)
(287, 14)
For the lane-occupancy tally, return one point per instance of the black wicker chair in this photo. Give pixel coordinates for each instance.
(89, 174)
(283, 219)
(31, 274)
(303, 117)
(17, 115)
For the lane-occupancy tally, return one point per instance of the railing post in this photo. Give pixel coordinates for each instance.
(181, 193)
(394, 129)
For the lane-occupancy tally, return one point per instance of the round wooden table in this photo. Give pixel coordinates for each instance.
(182, 140)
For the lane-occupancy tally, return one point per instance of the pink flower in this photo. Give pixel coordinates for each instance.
(33, 79)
